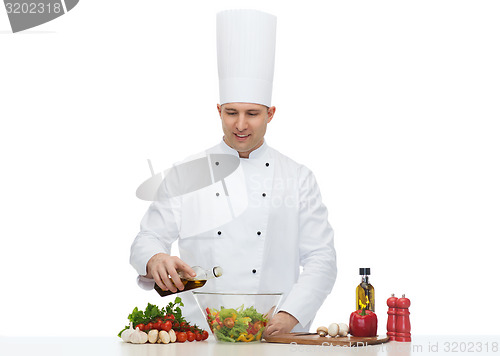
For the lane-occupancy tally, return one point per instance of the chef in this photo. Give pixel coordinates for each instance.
(280, 240)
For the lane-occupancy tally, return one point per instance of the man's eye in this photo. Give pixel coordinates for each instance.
(252, 114)
(231, 113)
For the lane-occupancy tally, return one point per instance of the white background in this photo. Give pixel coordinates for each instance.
(393, 105)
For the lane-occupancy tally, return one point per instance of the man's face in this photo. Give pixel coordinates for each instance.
(244, 125)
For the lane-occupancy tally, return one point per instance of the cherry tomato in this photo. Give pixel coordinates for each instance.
(197, 336)
(176, 325)
(157, 325)
(166, 325)
(181, 337)
(149, 326)
(204, 335)
(140, 326)
(169, 317)
(190, 336)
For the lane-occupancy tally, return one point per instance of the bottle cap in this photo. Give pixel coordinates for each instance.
(364, 271)
(217, 271)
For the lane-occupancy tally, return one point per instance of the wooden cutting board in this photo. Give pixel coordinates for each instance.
(315, 339)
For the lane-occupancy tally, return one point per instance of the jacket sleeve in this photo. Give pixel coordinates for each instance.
(159, 229)
(317, 254)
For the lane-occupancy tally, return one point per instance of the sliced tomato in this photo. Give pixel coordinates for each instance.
(251, 330)
(229, 322)
(258, 325)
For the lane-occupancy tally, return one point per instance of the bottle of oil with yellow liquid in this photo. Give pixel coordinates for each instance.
(365, 293)
(202, 276)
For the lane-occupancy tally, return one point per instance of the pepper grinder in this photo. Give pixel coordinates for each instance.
(403, 326)
(391, 318)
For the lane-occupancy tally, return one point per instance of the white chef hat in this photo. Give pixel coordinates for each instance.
(246, 41)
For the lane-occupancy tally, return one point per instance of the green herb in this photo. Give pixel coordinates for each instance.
(174, 308)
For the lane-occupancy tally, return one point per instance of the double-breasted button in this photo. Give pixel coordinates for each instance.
(216, 163)
(216, 194)
(254, 271)
(264, 195)
(258, 233)
(219, 232)
(267, 164)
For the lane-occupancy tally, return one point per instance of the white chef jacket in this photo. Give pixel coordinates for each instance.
(284, 227)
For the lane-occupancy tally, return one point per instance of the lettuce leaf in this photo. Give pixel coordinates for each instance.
(252, 313)
(223, 337)
(227, 313)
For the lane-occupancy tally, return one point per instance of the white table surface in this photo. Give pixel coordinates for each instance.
(420, 345)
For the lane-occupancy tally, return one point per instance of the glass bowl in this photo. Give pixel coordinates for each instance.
(237, 317)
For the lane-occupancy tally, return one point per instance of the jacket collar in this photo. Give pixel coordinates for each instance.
(258, 153)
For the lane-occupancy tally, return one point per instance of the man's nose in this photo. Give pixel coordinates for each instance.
(241, 123)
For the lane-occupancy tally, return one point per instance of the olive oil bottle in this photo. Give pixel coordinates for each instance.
(189, 282)
(365, 293)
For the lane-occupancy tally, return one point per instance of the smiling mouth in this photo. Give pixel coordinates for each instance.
(241, 137)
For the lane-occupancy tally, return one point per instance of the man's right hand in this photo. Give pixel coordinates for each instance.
(161, 265)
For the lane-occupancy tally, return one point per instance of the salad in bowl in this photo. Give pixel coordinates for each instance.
(236, 317)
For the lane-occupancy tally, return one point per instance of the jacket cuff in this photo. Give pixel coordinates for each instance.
(145, 283)
(302, 304)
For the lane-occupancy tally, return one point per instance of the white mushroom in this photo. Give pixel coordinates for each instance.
(153, 336)
(343, 329)
(172, 335)
(333, 329)
(164, 337)
(138, 337)
(322, 331)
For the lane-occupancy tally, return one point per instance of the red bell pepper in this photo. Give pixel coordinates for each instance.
(363, 323)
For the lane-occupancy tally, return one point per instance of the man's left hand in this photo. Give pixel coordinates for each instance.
(281, 323)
